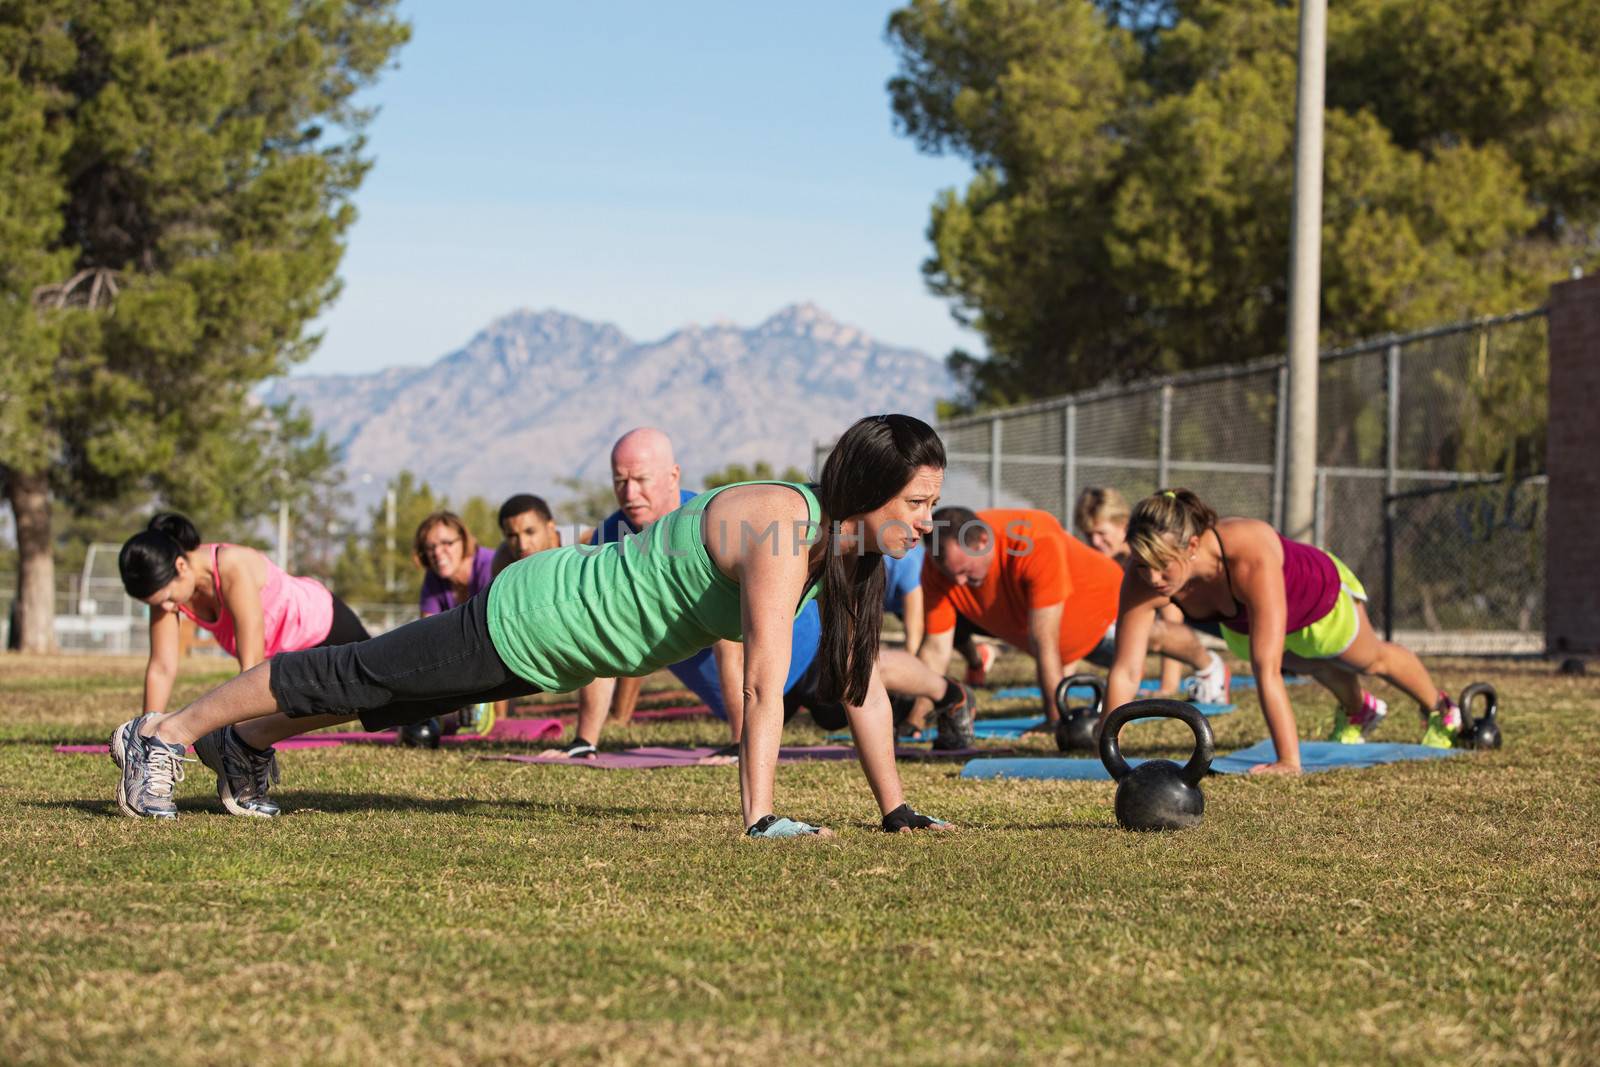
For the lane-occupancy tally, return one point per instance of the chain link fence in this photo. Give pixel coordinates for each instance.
(1464, 566)
(1394, 415)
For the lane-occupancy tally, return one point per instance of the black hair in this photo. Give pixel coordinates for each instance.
(955, 525)
(149, 559)
(870, 464)
(523, 503)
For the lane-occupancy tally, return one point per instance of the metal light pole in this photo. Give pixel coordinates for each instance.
(1305, 276)
(388, 541)
(283, 534)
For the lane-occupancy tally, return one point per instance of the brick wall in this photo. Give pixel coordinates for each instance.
(1572, 545)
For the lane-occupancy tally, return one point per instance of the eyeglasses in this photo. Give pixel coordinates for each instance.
(437, 545)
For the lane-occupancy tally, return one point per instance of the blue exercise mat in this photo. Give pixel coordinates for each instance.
(1314, 756)
(1031, 692)
(1149, 685)
(1055, 769)
(1017, 726)
(1248, 681)
(1329, 756)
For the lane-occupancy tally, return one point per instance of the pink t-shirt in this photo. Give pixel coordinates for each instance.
(297, 612)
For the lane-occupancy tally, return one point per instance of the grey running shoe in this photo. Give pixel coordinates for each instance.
(150, 770)
(954, 716)
(244, 774)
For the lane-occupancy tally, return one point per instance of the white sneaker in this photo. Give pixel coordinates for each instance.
(1212, 685)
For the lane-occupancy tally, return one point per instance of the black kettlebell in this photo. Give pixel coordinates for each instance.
(1075, 728)
(1482, 732)
(424, 734)
(1158, 794)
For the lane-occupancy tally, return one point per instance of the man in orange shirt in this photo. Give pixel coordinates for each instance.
(1017, 575)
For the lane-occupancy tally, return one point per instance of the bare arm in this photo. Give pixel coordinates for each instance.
(936, 651)
(872, 725)
(625, 700)
(771, 572)
(241, 590)
(914, 620)
(730, 675)
(935, 654)
(1171, 669)
(162, 670)
(594, 703)
(1136, 611)
(1258, 579)
(1044, 632)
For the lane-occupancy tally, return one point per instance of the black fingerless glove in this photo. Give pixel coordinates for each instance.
(903, 818)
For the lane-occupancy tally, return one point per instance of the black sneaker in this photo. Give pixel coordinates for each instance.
(244, 774)
(150, 770)
(955, 715)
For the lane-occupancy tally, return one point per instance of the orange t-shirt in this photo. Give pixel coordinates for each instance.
(1036, 564)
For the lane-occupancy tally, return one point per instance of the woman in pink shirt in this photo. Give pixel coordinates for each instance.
(252, 608)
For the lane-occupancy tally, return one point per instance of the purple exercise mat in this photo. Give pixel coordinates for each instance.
(694, 711)
(504, 730)
(649, 758)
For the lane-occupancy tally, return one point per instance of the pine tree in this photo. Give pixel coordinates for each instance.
(178, 184)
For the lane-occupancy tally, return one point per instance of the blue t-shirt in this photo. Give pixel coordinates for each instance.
(616, 524)
(900, 577)
(699, 672)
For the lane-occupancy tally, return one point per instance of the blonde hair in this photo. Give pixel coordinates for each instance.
(1163, 523)
(1097, 504)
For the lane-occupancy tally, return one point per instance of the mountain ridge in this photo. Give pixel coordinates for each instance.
(535, 397)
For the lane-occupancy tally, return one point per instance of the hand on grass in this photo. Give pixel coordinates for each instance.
(579, 749)
(1280, 767)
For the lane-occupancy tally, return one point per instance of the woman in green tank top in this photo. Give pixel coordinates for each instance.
(735, 564)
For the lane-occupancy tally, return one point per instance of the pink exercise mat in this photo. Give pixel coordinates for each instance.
(693, 711)
(504, 730)
(649, 759)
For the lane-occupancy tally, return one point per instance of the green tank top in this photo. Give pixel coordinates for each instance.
(563, 618)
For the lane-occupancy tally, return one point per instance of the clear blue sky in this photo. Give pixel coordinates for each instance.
(647, 164)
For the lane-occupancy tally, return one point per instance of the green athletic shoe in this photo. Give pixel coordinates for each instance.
(1444, 724)
(1354, 730)
(478, 719)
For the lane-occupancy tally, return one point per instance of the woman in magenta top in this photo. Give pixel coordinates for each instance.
(252, 608)
(458, 567)
(1280, 603)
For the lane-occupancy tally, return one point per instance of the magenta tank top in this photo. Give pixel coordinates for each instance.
(1310, 586)
(297, 612)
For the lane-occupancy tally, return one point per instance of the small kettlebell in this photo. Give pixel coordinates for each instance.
(424, 734)
(1482, 732)
(1158, 794)
(1075, 728)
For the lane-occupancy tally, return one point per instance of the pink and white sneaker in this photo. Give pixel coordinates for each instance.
(1355, 729)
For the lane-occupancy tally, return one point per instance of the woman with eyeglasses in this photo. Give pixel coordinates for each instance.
(458, 567)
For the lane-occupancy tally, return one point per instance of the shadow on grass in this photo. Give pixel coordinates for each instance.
(323, 803)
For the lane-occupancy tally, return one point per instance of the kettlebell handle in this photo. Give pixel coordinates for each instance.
(1204, 742)
(1491, 704)
(1082, 681)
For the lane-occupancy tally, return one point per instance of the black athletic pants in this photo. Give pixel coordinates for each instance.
(346, 628)
(414, 672)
